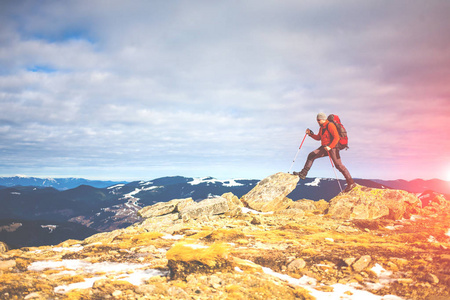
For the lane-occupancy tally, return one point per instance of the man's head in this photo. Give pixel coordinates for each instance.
(321, 118)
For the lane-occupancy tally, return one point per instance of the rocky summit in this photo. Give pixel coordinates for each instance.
(365, 244)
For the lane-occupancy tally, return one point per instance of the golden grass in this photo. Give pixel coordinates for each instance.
(133, 240)
(208, 256)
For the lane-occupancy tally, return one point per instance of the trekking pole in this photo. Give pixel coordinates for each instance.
(332, 165)
(297, 153)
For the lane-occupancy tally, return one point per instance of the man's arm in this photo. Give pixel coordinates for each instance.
(317, 137)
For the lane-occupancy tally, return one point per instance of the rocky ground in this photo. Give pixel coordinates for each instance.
(366, 244)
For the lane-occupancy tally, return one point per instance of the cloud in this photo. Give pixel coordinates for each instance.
(222, 89)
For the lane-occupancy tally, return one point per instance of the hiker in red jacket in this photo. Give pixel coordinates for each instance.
(329, 137)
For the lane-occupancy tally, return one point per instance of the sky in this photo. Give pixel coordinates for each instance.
(136, 90)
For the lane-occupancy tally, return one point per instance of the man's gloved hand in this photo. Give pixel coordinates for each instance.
(309, 132)
(327, 148)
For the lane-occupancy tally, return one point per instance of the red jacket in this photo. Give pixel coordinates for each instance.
(328, 137)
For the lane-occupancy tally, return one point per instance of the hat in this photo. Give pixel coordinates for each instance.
(321, 116)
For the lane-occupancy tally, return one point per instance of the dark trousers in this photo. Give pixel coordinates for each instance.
(335, 156)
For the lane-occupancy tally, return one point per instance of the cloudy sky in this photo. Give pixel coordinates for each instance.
(142, 89)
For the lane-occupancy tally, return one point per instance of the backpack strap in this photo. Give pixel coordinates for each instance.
(331, 136)
(326, 128)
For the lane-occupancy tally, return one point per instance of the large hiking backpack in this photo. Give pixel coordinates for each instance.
(343, 141)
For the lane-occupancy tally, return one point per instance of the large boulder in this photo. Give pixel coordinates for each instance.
(207, 207)
(165, 223)
(164, 208)
(270, 193)
(370, 203)
(234, 204)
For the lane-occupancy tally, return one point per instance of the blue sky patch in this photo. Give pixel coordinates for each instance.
(41, 69)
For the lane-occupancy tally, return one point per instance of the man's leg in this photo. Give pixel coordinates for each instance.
(336, 157)
(319, 152)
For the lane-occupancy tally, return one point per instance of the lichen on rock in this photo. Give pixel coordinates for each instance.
(369, 203)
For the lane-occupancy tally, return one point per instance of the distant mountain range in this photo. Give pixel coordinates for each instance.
(81, 211)
(417, 185)
(57, 183)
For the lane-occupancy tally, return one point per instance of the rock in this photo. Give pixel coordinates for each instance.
(214, 281)
(7, 264)
(103, 237)
(234, 205)
(405, 281)
(117, 294)
(304, 204)
(369, 203)
(233, 200)
(35, 296)
(164, 208)
(3, 247)
(161, 224)
(270, 193)
(349, 261)
(362, 263)
(207, 207)
(247, 266)
(291, 212)
(431, 278)
(177, 293)
(296, 265)
(321, 206)
(255, 220)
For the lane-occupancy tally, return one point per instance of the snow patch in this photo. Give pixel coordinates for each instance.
(432, 239)
(227, 183)
(50, 227)
(231, 182)
(117, 186)
(340, 291)
(137, 191)
(146, 182)
(314, 183)
(447, 233)
(133, 273)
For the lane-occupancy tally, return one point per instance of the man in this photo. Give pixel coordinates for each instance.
(329, 136)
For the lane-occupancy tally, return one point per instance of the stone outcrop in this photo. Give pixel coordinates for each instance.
(309, 205)
(270, 193)
(170, 216)
(165, 223)
(433, 202)
(234, 204)
(164, 208)
(207, 207)
(369, 203)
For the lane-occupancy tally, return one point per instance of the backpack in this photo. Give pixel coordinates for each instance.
(343, 141)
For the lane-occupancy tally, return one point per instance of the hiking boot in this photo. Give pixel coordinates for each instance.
(302, 174)
(350, 187)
